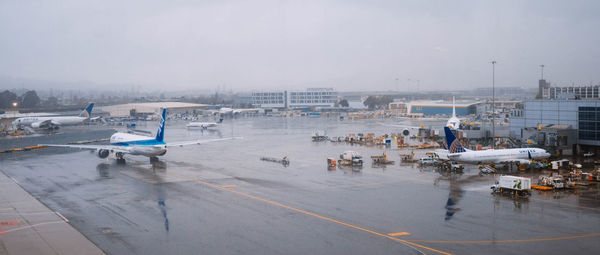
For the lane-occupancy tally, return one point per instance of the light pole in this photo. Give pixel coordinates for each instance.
(493, 104)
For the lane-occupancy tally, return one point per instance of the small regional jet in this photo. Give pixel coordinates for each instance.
(203, 125)
(458, 153)
(54, 122)
(231, 111)
(125, 143)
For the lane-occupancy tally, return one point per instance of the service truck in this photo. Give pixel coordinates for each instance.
(519, 186)
(351, 158)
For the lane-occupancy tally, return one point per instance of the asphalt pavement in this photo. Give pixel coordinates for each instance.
(219, 198)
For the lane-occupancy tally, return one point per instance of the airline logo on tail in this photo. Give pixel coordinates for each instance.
(160, 133)
(87, 112)
(454, 145)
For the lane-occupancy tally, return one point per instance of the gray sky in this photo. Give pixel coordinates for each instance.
(348, 45)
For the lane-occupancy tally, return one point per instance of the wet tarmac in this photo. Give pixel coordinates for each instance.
(63, 135)
(219, 198)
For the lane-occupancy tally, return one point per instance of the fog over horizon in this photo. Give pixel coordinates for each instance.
(253, 45)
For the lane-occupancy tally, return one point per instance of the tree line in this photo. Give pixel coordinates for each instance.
(29, 99)
(377, 102)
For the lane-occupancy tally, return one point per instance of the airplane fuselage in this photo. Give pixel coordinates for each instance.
(202, 124)
(520, 155)
(59, 120)
(453, 123)
(139, 145)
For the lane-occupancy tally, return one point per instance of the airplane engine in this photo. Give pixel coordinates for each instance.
(102, 153)
(524, 162)
(405, 132)
(43, 125)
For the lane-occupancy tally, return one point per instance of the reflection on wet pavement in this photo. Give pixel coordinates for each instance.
(220, 198)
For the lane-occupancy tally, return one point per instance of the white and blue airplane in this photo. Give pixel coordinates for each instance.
(458, 153)
(53, 122)
(125, 143)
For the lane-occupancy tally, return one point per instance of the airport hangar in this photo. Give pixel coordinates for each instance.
(137, 109)
(432, 108)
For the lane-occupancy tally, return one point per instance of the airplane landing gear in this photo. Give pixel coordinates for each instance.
(153, 159)
(120, 159)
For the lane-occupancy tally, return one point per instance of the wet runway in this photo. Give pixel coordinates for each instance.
(219, 198)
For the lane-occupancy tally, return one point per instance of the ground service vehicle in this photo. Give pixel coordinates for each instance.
(507, 184)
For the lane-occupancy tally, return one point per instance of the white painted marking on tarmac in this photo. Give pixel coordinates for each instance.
(32, 213)
(62, 217)
(34, 225)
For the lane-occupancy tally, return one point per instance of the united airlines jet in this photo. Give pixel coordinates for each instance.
(124, 143)
(457, 152)
(53, 122)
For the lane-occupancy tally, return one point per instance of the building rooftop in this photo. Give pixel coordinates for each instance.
(123, 109)
(441, 103)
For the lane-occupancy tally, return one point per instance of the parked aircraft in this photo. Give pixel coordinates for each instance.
(125, 143)
(458, 153)
(203, 125)
(53, 122)
(231, 111)
(453, 122)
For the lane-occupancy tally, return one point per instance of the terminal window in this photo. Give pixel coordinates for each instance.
(589, 123)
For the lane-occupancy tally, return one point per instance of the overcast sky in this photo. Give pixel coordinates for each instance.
(348, 45)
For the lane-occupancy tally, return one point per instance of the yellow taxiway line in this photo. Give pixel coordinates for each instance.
(531, 240)
(411, 243)
(399, 234)
(408, 243)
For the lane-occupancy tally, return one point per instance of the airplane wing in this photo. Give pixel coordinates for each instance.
(184, 143)
(511, 161)
(244, 110)
(516, 160)
(43, 124)
(111, 148)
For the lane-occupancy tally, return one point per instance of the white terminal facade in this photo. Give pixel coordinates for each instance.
(312, 97)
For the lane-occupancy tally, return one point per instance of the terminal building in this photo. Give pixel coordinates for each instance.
(583, 116)
(575, 107)
(142, 109)
(312, 97)
(271, 99)
(546, 91)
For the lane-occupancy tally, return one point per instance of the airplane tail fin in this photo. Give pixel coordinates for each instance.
(87, 112)
(453, 108)
(454, 145)
(160, 133)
